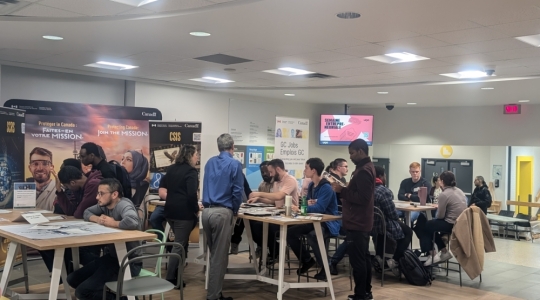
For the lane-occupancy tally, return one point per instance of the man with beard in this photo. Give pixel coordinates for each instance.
(41, 166)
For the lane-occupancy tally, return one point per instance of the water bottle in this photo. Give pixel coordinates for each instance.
(303, 206)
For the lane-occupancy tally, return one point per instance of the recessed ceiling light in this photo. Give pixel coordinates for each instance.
(199, 33)
(487, 88)
(53, 37)
(533, 40)
(382, 93)
(110, 66)
(136, 3)
(524, 101)
(290, 95)
(396, 58)
(411, 103)
(467, 74)
(348, 15)
(208, 79)
(289, 71)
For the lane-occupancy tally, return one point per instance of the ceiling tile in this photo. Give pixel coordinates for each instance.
(341, 64)
(71, 59)
(379, 35)
(445, 51)
(514, 53)
(89, 7)
(364, 50)
(252, 53)
(468, 35)
(290, 49)
(137, 11)
(516, 29)
(37, 10)
(331, 43)
(503, 11)
(152, 58)
(495, 45)
(413, 43)
(173, 5)
(466, 59)
(432, 24)
(298, 61)
(327, 56)
(23, 55)
(256, 65)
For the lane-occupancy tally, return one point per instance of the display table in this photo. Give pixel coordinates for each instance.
(59, 245)
(283, 222)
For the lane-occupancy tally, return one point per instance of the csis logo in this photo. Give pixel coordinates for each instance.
(10, 127)
(175, 136)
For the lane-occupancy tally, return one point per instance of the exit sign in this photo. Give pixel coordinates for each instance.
(512, 109)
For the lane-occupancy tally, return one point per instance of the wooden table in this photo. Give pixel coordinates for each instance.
(283, 222)
(407, 208)
(59, 245)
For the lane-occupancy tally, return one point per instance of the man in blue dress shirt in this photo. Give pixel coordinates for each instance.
(222, 196)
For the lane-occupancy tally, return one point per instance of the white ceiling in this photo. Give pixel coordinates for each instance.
(306, 34)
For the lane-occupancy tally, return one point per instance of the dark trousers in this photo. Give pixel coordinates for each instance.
(89, 280)
(157, 218)
(425, 229)
(401, 244)
(257, 233)
(294, 233)
(86, 256)
(181, 229)
(359, 257)
(238, 231)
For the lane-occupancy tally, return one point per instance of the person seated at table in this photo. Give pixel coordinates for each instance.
(321, 199)
(112, 210)
(409, 187)
(451, 204)
(396, 230)
(284, 185)
(239, 225)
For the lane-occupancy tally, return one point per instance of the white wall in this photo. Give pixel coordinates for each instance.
(478, 126)
(32, 84)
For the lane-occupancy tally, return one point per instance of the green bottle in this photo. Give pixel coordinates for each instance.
(303, 206)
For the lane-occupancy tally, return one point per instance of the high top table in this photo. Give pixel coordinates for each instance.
(407, 208)
(283, 222)
(59, 245)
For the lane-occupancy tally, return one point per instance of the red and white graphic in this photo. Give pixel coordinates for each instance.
(342, 129)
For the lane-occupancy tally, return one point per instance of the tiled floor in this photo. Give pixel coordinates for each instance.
(513, 271)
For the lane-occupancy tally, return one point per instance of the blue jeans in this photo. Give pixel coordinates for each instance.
(157, 218)
(341, 249)
(414, 217)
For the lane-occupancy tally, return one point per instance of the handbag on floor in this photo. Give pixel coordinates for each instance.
(413, 269)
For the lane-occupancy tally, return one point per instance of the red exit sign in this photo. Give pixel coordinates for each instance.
(512, 109)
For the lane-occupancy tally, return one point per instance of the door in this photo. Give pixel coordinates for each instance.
(385, 163)
(463, 170)
(524, 180)
(433, 167)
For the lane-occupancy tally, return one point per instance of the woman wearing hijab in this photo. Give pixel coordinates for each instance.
(137, 166)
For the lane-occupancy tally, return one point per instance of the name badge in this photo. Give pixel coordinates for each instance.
(416, 190)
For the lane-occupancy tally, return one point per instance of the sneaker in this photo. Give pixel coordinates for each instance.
(234, 248)
(392, 264)
(369, 296)
(379, 260)
(432, 260)
(258, 252)
(321, 275)
(444, 238)
(446, 256)
(333, 268)
(396, 272)
(306, 266)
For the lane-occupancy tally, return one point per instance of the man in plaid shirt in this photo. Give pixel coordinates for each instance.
(395, 230)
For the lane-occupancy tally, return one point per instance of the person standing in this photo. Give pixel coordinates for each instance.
(222, 196)
(179, 186)
(409, 187)
(89, 155)
(481, 196)
(358, 200)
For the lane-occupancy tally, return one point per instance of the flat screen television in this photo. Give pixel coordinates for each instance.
(343, 129)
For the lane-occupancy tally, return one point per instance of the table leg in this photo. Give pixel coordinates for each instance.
(58, 263)
(8, 266)
(282, 249)
(251, 244)
(25, 267)
(67, 288)
(121, 252)
(320, 240)
(264, 254)
(75, 257)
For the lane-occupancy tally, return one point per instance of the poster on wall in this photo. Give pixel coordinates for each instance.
(12, 128)
(166, 142)
(55, 131)
(292, 144)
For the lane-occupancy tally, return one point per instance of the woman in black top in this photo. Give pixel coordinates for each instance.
(179, 189)
(481, 196)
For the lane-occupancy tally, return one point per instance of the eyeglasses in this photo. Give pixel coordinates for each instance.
(100, 194)
(42, 163)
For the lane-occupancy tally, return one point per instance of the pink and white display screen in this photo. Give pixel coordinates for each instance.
(343, 129)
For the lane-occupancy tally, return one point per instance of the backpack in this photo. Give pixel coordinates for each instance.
(413, 269)
(122, 175)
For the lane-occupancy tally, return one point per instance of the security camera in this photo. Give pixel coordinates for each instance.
(490, 72)
(389, 106)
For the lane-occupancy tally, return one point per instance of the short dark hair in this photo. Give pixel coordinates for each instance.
(69, 173)
(114, 185)
(72, 162)
(359, 144)
(263, 164)
(40, 151)
(448, 178)
(277, 163)
(91, 148)
(434, 179)
(334, 164)
(379, 171)
(317, 164)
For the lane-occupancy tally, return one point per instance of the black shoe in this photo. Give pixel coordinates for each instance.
(270, 261)
(223, 298)
(369, 296)
(306, 266)
(321, 275)
(175, 282)
(333, 268)
(366, 297)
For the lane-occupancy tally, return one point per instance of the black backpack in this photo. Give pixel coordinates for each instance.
(122, 175)
(413, 269)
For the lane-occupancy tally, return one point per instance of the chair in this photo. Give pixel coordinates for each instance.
(378, 212)
(272, 267)
(157, 271)
(503, 213)
(146, 285)
(525, 225)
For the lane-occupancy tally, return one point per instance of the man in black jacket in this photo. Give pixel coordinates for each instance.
(481, 196)
(409, 187)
